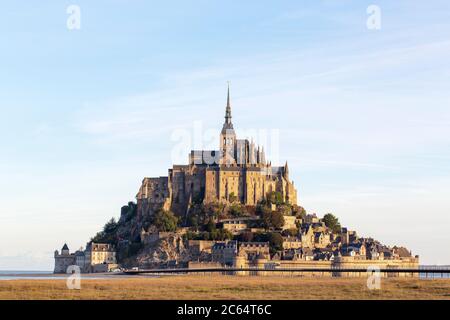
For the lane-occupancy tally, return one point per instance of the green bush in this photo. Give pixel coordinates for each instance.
(232, 197)
(165, 221)
(275, 197)
(237, 210)
(299, 211)
(332, 222)
(220, 235)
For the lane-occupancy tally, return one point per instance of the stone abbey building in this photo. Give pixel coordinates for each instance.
(238, 171)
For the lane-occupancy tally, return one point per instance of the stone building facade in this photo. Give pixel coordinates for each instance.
(238, 171)
(97, 257)
(63, 260)
(101, 253)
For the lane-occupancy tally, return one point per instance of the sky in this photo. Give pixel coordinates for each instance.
(362, 115)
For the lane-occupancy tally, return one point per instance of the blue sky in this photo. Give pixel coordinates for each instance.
(363, 115)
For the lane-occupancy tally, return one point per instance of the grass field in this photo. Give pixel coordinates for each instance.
(225, 287)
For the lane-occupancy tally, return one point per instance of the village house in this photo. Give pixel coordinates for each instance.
(289, 222)
(224, 252)
(321, 239)
(291, 243)
(238, 225)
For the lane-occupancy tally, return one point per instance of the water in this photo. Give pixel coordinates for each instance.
(434, 275)
(14, 274)
(49, 275)
(23, 272)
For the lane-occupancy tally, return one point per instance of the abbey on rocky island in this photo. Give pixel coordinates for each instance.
(229, 208)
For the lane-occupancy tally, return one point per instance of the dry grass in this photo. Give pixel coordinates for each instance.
(226, 287)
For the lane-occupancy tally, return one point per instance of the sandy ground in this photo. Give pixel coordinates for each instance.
(224, 287)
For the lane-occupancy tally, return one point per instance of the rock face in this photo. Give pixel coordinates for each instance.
(168, 251)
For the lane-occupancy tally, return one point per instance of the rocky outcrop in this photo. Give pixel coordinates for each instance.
(168, 251)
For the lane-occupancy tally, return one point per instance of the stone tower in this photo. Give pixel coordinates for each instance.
(240, 262)
(227, 136)
(65, 249)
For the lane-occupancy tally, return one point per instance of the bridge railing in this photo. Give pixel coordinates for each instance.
(443, 272)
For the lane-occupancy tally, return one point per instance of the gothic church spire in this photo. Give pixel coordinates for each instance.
(228, 124)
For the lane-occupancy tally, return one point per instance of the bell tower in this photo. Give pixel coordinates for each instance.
(228, 136)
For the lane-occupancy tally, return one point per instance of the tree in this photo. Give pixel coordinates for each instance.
(237, 210)
(225, 234)
(200, 215)
(261, 237)
(216, 210)
(332, 222)
(290, 232)
(262, 209)
(189, 235)
(275, 197)
(260, 206)
(108, 234)
(267, 219)
(232, 197)
(110, 226)
(246, 236)
(277, 220)
(275, 242)
(299, 211)
(165, 221)
(211, 226)
(219, 235)
(274, 238)
(284, 209)
(193, 221)
(273, 220)
(202, 236)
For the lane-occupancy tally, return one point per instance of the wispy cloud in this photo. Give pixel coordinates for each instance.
(284, 76)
